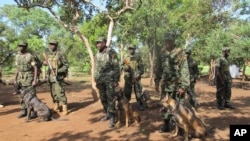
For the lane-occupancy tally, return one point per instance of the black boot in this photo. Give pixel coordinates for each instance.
(165, 127)
(23, 113)
(228, 105)
(106, 117)
(112, 120)
(220, 106)
(141, 107)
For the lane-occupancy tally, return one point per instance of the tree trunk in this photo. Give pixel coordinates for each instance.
(110, 30)
(95, 92)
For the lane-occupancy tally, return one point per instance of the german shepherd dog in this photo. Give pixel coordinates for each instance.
(185, 118)
(122, 103)
(34, 104)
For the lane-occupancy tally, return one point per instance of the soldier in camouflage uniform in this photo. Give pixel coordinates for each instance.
(60, 65)
(107, 74)
(174, 75)
(26, 74)
(194, 73)
(223, 80)
(133, 69)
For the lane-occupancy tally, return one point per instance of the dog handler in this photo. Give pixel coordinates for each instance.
(107, 74)
(26, 74)
(174, 75)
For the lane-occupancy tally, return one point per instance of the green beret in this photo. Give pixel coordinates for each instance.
(53, 42)
(169, 36)
(23, 44)
(188, 51)
(225, 48)
(131, 47)
(100, 39)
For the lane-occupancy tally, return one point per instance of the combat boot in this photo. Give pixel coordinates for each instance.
(228, 105)
(112, 120)
(65, 109)
(165, 127)
(141, 107)
(106, 117)
(56, 107)
(221, 106)
(23, 113)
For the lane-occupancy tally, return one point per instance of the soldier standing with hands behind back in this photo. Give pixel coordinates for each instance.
(58, 68)
(133, 68)
(223, 80)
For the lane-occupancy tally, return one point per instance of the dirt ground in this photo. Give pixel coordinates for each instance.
(83, 121)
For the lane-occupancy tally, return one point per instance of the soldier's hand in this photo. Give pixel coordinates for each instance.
(157, 87)
(45, 63)
(116, 84)
(34, 83)
(181, 91)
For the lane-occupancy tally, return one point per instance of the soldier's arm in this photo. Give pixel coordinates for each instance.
(196, 70)
(217, 69)
(140, 66)
(17, 70)
(65, 64)
(34, 65)
(185, 76)
(116, 67)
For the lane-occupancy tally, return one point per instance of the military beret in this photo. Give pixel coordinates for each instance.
(188, 51)
(23, 44)
(169, 36)
(225, 48)
(131, 46)
(100, 39)
(53, 42)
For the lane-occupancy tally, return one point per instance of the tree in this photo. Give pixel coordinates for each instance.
(71, 13)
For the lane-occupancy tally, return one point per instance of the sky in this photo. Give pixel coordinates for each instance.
(3, 2)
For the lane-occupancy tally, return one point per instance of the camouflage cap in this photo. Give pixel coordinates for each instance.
(130, 46)
(169, 36)
(188, 51)
(100, 39)
(225, 48)
(23, 44)
(53, 42)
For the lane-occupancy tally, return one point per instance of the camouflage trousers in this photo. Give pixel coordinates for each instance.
(106, 89)
(135, 85)
(223, 92)
(167, 115)
(57, 92)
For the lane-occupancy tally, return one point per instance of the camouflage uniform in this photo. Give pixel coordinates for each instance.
(174, 75)
(194, 73)
(24, 73)
(133, 69)
(107, 73)
(223, 81)
(60, 65)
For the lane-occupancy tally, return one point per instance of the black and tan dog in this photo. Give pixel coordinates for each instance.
(34, 104)
(186, 119)
(122, 104)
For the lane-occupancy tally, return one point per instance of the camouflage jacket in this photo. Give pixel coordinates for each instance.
(223, 67)
(59, 64)
(133, 62)
(106, 64)
(193, 70)
(173, 68)
(25, 62)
